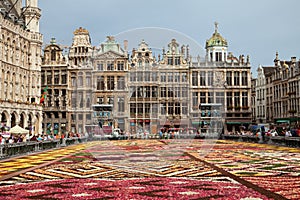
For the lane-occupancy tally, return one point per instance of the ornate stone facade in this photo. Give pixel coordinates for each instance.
(20, 61)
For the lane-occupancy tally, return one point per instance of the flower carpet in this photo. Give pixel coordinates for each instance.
(155, 169)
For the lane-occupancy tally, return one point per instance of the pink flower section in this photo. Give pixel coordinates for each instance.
(147, 188)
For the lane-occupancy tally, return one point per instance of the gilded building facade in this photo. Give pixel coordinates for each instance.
(54, 80)
(148, 93)
(221, 79)
(20, 64)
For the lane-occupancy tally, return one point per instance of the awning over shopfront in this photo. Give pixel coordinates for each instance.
(238, 122)
(283, 121)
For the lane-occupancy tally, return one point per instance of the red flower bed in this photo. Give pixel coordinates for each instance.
(148, 188)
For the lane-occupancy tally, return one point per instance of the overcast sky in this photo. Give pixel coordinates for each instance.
(257, 28)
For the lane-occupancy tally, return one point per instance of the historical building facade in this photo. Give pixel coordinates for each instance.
(143, 90)
(264, 94)
(20, 65)
(142, 93)
(221, 79)
(110, 81)
(286, 96)
(54, 80)
(81, 82)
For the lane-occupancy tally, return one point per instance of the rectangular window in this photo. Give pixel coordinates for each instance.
(170, 108)
(184, 92)
(163, 108)
(110, 83)
(170, 77)
(132, 76)
(163, 92)
(170, 92)
(88, 82)
(121, 104)
(177, 92)
(202, 97)
(195, 100)
(140, 108)
(147, 92)
(176, 77)
(210, 78)
(120, 66)
(147, 76)
(245, 99)
(100, 83)
(56, 77)
(220, 97)
(43, 78)
(170, 61)
(202, 79)
(177, 108)
(218, 56)
(245, 78)
(74, 99)
(184, 108)
(100, 66)
(229, 99)
(110, 65)
(237, 99)
(154, 76)
(88, 116)
(154, 91)
(194, 78)
(184, 77)
(210, 97)
(121, 82)
(147, 109)
(229, 78)
(236, 78)
(139, 76)
(64, 78)
(177, 61)
(163, 77)
(49, 78)
(132, 109)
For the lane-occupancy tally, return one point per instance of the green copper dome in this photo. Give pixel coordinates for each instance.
(216, 39)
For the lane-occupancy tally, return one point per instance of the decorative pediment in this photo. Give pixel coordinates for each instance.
(110, 55)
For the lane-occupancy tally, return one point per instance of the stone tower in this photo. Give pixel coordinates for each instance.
(32, 15)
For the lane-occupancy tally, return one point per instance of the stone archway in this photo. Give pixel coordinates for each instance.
(14, 119)
(30, 121)
(22, 120)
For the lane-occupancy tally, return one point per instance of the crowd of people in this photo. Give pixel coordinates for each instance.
(18, 138)
(262, 132)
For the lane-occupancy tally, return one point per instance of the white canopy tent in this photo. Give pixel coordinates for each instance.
(18, 130)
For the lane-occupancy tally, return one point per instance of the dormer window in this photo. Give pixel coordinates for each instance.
(140, 63)
(177, 61)
(170, 61)
(53, 55)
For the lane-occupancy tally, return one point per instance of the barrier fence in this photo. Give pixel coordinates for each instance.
(274, 140)
(9, 150)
